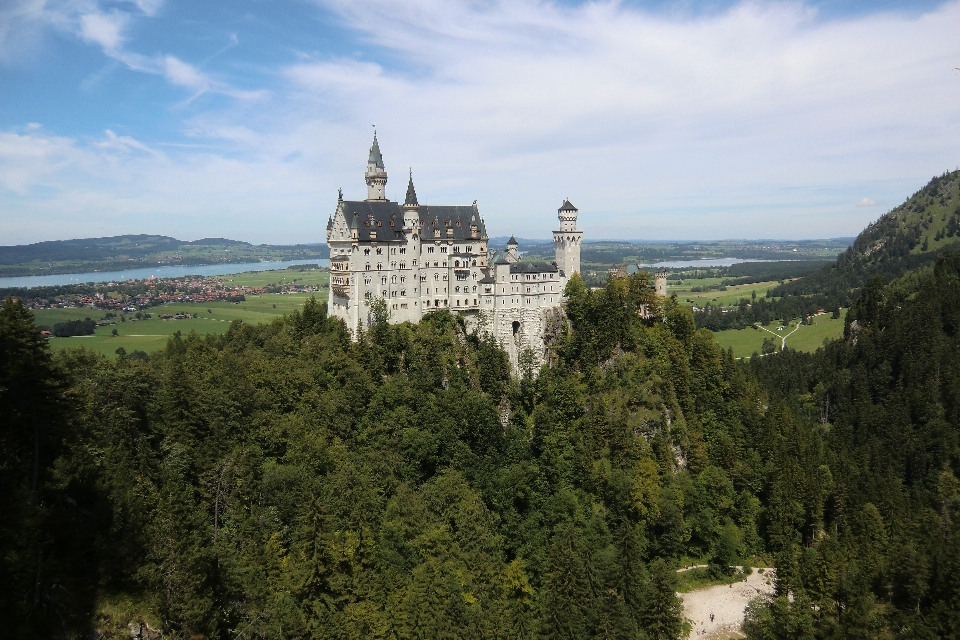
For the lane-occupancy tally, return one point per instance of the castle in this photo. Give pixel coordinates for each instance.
(421, 258)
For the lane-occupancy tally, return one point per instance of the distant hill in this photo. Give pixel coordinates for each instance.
(910, 236)
(132, 251)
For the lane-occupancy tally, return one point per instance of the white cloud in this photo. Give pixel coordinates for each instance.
(764, 120)
(103, 29)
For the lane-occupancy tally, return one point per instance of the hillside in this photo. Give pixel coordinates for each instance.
(910, 236)
(131, 251)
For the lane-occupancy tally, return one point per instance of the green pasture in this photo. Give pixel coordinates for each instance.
(730, 297)
(746, 342)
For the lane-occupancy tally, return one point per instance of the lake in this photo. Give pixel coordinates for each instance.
(157, 272)
(716, 262)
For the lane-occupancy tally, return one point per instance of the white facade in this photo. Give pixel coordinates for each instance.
(423, 258)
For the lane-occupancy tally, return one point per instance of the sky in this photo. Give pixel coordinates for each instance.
(660, 120)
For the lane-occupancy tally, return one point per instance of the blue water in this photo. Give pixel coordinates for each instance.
(158, 272)
(718, 262)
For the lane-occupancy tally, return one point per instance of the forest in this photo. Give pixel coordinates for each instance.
(282, 480)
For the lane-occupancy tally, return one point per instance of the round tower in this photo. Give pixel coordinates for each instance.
(376, 175)
(567, 240)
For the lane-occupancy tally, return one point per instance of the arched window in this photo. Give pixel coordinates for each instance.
(368, 266)
(379, 266)
(393, 279)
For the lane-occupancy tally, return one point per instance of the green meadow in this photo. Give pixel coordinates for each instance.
(214, 317)
(731, 296)
(746, 342)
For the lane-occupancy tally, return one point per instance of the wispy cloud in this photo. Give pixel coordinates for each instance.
(765, 119)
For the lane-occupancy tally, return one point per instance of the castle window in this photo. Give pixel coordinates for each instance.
(456, 289)
(443, 249)
(379, 266)
(423, 278)
(379, 224)
(414, 262)
(393, 279)
(470, 248)
(403, 292)
(379, 250)
(403, 265)
(403, 250)
(368, 266)
(436, 276)
(474, 288)
(393, 250)
(367, 281)
(403, 278)
(429, 249)
(366, 251)
(456, 263)
(383, 280)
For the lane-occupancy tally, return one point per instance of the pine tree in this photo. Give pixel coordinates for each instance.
(661, 614)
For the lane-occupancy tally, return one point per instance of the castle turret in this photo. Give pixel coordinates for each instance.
(567, 240)
(512, 254)
(376, 175)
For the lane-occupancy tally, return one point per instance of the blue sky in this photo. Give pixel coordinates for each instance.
(660, 120)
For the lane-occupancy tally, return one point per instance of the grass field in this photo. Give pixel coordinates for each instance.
(215, 317)
(745, 342)
(731, 296)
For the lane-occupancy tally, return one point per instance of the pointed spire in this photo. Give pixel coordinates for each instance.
(376, 158)
(512, 241)
(411, 200)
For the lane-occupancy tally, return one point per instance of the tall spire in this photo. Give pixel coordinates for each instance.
(376, 175)
(376, 158)
(411, 200)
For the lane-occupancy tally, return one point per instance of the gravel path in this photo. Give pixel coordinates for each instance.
(726, 603)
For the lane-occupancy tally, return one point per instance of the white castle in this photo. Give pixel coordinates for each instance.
(421, 258)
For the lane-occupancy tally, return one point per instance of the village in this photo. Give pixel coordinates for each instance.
(131, 296)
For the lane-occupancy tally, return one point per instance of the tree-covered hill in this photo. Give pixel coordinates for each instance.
(283, 481)
(882, 560)
(133, 251)
(911, 236)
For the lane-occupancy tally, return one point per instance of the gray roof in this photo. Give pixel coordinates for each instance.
(567, 206)
(533, 267)
(375, 157)
(511, 241)
(411, 192)
(378, 215)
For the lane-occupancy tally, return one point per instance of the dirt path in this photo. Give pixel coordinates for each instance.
(726, 603)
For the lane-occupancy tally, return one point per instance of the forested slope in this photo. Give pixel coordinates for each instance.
(883, 560)
(283, 481)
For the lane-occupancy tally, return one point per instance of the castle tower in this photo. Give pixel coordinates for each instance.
(567, 240)
(512, 254)
(376, 175)
(660, 282)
